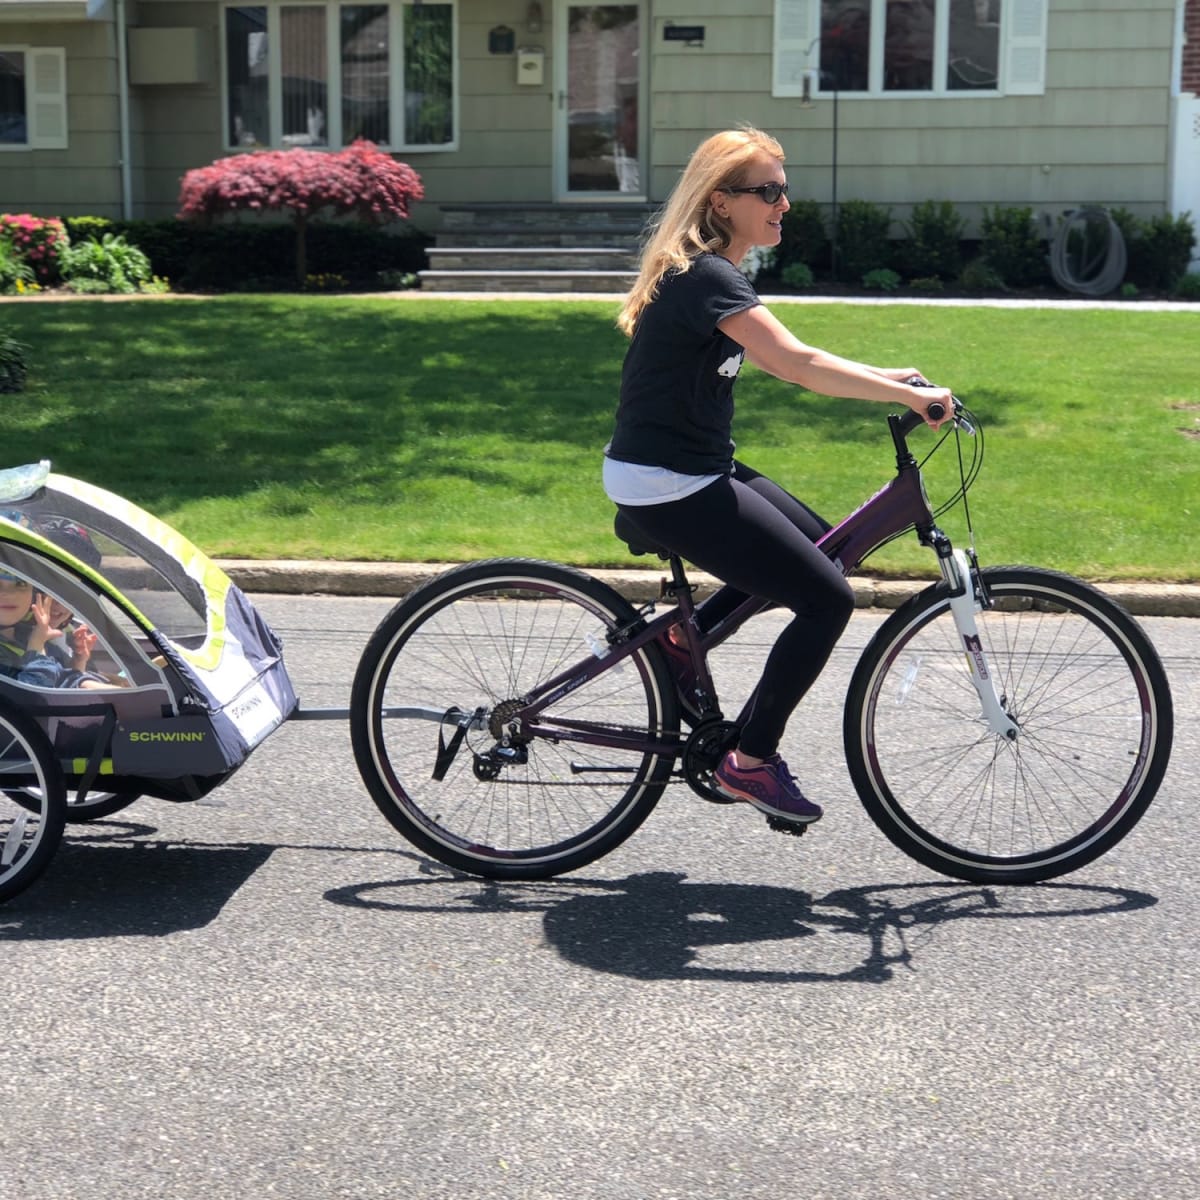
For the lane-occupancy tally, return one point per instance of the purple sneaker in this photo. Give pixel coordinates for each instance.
(769, 787)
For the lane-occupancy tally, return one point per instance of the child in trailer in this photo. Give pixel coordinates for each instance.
(26, 629)
(74, 648)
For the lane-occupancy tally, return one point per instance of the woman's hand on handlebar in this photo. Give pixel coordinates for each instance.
(926, 396)
(933, 400)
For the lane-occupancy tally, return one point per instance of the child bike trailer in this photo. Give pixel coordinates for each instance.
(167, 677)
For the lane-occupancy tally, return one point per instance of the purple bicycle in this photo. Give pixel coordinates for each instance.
(517, 719)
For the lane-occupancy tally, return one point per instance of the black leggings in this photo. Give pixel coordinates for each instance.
(758, 539)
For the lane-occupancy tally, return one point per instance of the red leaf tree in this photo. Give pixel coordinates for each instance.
(360, 181)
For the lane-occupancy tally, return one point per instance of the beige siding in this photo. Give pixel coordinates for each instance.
(84, 178)
(505, 150)
(177, 127)
(1099, 134)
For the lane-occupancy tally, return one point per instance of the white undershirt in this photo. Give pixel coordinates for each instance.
(635, 483)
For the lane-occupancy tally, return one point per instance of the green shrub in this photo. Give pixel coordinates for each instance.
(108, 265)
(93, 228)
(927, 283)
(1158, 250)
(882, 278)
(978, 276)
(326, 282)
(933, 237)
(14, 270)
(396, 281)
(1188, 286)
(13, 366)
(863, 243)
(1012, 246)
(804, 239)
(258, 255)
(760, 260)
(83, 285)
(797, 275)
(1126, 222)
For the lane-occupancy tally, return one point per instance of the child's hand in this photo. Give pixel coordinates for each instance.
(43, 630)
(84, 642)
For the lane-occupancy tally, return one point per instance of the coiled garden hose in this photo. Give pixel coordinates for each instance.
(1088, 255)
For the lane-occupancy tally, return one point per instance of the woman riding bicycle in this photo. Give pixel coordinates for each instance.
(693, 317)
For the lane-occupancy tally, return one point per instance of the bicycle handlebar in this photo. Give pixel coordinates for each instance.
(936, 411)
(909, 420)
(902, 424)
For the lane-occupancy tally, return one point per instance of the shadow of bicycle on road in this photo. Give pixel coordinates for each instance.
(657, 926)
(116, 880)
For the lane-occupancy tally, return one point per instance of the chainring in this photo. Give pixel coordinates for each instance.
(709, 742)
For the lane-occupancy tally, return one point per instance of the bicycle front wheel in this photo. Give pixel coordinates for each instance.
(432, 713)
(1093, 708)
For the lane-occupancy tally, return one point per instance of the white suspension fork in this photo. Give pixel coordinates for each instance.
(957, 573)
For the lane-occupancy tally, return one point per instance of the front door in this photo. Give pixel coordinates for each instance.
(599, 125)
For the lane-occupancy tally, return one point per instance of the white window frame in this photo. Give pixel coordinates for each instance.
(45, 98)
(334, 138)
(1021, 67)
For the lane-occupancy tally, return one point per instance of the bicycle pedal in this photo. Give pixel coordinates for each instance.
(795, 828)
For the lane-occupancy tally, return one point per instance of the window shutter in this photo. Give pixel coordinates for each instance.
(1025, 48)
(795, 32)
(47, 96)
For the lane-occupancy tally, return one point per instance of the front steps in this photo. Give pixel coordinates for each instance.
(536, 248)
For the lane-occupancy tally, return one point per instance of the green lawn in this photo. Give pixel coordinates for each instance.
(437, 430)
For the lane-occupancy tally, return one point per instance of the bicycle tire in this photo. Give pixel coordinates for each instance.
(471, 641)
(30, 830)
(1093, 706)
(96, 805)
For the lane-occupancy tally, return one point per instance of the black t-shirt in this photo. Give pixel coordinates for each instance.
(676, 407)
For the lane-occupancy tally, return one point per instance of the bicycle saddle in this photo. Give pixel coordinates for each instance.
(637, 541)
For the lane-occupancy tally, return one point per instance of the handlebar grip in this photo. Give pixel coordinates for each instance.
(937, 410)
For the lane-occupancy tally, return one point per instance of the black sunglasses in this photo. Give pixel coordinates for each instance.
(770, 192)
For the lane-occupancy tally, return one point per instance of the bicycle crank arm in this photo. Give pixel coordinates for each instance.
(962, 606)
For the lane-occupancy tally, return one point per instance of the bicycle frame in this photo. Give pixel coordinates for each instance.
(897, 507)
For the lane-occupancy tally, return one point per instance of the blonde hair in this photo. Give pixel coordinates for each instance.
(687, 225)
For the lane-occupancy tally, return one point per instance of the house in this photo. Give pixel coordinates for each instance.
(548, 104)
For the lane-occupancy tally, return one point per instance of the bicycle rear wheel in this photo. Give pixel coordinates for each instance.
(430, 721)
(1093, 706)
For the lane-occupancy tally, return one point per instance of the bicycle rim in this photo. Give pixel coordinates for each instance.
(476, 642)
(1093, 707)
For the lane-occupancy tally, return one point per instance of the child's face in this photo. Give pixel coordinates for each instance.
(16, 597)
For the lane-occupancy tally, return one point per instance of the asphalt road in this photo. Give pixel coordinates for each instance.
(268, 993)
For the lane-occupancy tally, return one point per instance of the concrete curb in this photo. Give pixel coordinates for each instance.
(398, 579)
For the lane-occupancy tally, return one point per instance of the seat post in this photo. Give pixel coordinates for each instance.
(679, 579)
